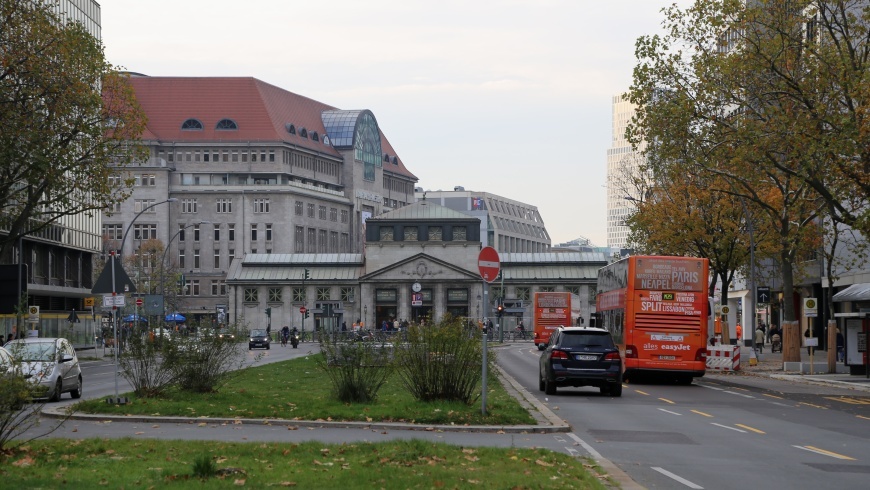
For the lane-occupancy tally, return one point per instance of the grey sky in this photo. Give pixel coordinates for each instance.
(509, 97)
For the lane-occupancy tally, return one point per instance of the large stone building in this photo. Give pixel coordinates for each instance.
(506, 225)
(238, 166)
(420, 261)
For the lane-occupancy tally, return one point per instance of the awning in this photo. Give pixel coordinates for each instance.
(855, 292)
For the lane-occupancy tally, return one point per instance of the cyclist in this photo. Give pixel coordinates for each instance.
(285, 334)
(522, 330)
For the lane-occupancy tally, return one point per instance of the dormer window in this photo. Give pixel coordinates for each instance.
(326, 140)
(386, 158)
(314, 136)
(303, 132)
(191, 125)
(226, 125)
(395, 161)
(290, 128)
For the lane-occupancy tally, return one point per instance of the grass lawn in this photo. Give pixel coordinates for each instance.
(97, 463)
(298, 389)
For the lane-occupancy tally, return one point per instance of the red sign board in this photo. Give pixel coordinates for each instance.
(489, 264)
(302, 310)
(139, 302)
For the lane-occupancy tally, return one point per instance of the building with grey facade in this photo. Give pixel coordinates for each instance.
(507, 225)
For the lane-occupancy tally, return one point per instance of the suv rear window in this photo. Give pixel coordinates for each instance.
(586, 339)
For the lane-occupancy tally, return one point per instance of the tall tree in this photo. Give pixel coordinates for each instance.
(710, 104)
(62, 138)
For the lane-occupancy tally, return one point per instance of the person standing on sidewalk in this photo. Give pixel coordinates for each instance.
(739, 334)
(759, 339)
(841, 353)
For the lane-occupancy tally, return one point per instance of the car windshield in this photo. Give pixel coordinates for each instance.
(258, 333)
(34, 351)
(581, 339)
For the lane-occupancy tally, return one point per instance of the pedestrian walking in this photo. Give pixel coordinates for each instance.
(759, 339)
(807, 335)
(739, 334)
(841, 344)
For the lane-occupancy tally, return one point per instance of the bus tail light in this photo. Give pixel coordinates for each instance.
(701, 354)
(630, 352)
(612, 356)
(558, 354)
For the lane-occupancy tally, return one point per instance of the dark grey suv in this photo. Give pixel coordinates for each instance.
(581, 357)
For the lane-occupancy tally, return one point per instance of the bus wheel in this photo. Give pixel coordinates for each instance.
(549, 387)
(685, 379)
(541, 346)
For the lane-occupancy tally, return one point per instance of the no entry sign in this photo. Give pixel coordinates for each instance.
(489, 264)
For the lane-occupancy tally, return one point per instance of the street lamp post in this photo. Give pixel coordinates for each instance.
(163, 269)
(115, 292)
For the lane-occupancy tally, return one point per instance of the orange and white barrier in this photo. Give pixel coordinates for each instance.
(723, 358)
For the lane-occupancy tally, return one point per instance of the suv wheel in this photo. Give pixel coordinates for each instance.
(540, 382)
(616, 389)
(549, 387)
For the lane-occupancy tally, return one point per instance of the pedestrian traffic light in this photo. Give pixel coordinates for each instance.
(307, 274)
(269, 312)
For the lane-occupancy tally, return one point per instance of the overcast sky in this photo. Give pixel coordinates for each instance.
(511, 97)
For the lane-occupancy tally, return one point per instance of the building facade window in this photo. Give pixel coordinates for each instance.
(113, 231)
(547, 289)
(231, 232)
(224, 205)
(181, 258)
(321, 241)
(188, 205)
(300, 206)
(410, 233)
(344, 215)
(218, 287)
(299, 240)
(145, 206)
(196, 258)
(252, 295)
(217, 258)
(196, 233)
(253, 233)
(298, 294)
(217, 233)
(575, 290)
(191, 287)
(323, 294)
(268, 232)
(523, 293)
(459, 234)
(348, 294)
(435, 233)
(275, 295)
(386, 234)
(333, 214)
(261, 205)
(144, 232)
(310, 210)
(321, 212)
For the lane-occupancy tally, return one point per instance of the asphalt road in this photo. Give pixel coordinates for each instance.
(721, 432)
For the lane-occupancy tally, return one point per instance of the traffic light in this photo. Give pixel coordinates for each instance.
(307, 313)
(307, 275)
(500, 310)
(269, 312)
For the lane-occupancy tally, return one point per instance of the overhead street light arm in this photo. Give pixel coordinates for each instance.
(146, 208)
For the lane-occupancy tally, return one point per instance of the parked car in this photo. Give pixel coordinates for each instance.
(51, 363)
(577, 356)
(259, 339)
(6, 362)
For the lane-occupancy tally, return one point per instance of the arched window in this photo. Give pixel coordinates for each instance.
(326, 140)
(314, 136)
(386, 157)
(226, 125)
(303, 132)
(290, 128)
(191, 125)
(395, 161)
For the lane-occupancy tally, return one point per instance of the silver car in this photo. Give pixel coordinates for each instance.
(50, 362)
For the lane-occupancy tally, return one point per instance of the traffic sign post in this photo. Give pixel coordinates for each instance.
(139, 302)
(762, 294)
(489, 264)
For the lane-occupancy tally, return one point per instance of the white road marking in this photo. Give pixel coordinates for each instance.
(677, 478)
(711, 387)
(823, 452)
(739, 394)
(727, 427)
(595, 454)
(668, 411)
(573, 452)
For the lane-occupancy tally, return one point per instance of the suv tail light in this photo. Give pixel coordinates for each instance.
(558, 354)
(612, 356)
(701, 354)
(630, 352)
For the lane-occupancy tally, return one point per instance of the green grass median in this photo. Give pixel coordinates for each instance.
(298, 390)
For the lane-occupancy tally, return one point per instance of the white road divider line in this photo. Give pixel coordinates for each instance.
(727, 427)
(711, 387)
(595, 454)
(739, 394)
(677, 478)
(668, 411)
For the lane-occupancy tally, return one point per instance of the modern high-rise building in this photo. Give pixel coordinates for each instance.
(622, 163)
(57, 262)
(507, 225)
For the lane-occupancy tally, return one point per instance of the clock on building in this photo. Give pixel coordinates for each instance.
(416, 287)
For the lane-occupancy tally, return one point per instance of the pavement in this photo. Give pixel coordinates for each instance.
(770, 365)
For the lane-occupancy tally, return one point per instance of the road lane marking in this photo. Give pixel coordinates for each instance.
(573, 452)
(667, 401)
(642, 392)
(702, 413)
(711, 387)
(677, 478)
(863, 417)
(589, 449)
(853, 401)
(750, 428)
(811, 405)
(823, 452)
(739, 394)
(727, 427)
(774, 396)
(668, 411)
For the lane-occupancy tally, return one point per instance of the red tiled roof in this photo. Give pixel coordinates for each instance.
(260, 111)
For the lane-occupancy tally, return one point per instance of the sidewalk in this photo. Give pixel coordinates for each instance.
(770, 365)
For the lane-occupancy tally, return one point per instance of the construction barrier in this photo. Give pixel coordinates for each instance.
(723, 358)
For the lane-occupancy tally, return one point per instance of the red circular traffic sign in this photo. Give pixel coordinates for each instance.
(302, 309)
(488, 263)
(139, 302)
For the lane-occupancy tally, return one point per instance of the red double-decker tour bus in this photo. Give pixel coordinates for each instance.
(552, 310)
(657, 309)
